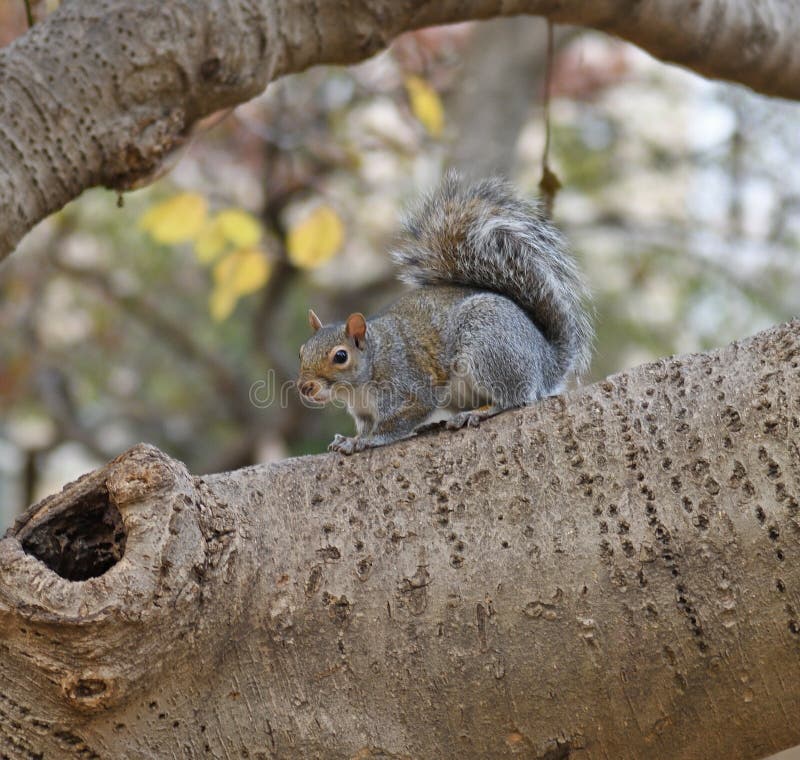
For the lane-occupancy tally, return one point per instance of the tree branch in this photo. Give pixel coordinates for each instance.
(614, 571)
(99, 94)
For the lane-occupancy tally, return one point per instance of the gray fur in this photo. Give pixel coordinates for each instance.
(485, 236)
(496, 321)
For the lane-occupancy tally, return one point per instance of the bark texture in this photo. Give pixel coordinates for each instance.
(610, 574)
(101, 92)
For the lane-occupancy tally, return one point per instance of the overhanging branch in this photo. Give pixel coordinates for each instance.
(101, 93)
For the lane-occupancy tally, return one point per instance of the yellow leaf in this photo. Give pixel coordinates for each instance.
(210, 243)
(221, 303)
(177, 219)
(426, 105)
(229, 226)
(240, 272)
(316, 239)
(239, 227)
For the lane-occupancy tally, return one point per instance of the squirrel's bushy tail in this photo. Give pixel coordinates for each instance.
(484, 236)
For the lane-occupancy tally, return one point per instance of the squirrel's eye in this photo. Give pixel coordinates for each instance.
(340, 357)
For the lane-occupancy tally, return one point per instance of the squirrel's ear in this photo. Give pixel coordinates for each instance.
(314, 322)
(356, 328)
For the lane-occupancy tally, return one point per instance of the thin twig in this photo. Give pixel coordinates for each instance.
(29, 13)
(548, 81)
(549, 183)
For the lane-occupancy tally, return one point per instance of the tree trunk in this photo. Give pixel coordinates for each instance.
(610, 574)
(100, 93)
(502, 79)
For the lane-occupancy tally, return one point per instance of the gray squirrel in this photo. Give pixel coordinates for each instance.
(497, 319)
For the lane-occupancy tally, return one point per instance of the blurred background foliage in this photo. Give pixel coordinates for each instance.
(151, 317)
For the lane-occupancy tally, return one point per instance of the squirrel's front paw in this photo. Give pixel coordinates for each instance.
(464, 419)
(345, 445)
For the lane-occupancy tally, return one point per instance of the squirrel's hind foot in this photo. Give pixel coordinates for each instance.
(470, 418)
(346, 445)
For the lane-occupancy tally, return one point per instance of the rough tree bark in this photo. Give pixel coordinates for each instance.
(609, 574)
(100, 92)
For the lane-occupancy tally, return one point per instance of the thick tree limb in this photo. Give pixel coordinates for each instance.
(613, 573)
(99, 93)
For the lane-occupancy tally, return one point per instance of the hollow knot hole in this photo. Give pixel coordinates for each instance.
(82, 540)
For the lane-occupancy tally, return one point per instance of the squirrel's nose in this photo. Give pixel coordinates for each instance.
(307, 388)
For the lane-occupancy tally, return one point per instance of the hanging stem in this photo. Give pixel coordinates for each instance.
(548, 80)
(549, 183)
(29, 12)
